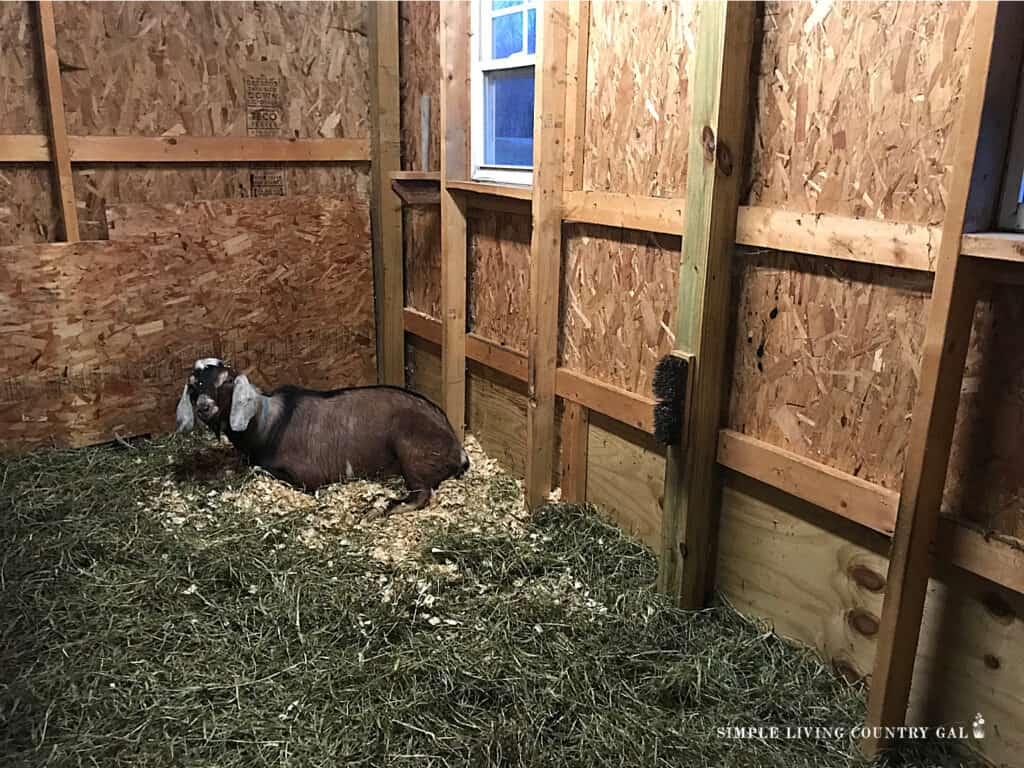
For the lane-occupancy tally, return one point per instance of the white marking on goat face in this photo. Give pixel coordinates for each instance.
(207, 362)
(348, 469)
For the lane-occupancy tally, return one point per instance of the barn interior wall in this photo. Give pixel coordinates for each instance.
(853, 105)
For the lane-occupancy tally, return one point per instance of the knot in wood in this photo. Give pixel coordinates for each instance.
(708, 140)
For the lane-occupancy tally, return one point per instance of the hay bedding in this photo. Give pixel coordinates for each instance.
(168, 606)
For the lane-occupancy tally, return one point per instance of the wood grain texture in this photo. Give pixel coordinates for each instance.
(825, 359)
(421, 228)
(419, 23)
(619, 307)
(715, 149)
(854, 106)
(575, 435)
(946, 340)
(97, 337)
(181, 67)
(638, 97)
(499, 268)
(21, 83)
(576, 93)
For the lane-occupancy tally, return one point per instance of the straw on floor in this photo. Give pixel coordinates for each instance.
(164, 605)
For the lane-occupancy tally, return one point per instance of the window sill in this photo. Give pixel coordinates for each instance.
(513, 191)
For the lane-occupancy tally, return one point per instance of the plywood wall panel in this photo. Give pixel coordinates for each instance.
(96, 337)
(21, 85)
(499, 273)
(421, 230)
(826, 359)
(28, 208)
(420, 65)
(146, 68)
(619, 303)
(986, 470)
(638, 106)
(854, 104)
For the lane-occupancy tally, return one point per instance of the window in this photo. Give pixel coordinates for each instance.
(505, 49)
(1011, 204)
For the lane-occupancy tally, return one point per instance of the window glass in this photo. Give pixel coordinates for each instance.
(531, 30)
(508, 115)
(507, 35)
(497, 5)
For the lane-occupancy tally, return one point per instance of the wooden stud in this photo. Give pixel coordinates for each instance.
(947, 334)
(58, 123)
(576, 92)
(545, 251)
(720, 84)
(455, 133)
(386, 211)
(575, 435)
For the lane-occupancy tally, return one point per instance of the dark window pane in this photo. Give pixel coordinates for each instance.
(497, 5)
(508, 120)
(531, 30)
(507, 35)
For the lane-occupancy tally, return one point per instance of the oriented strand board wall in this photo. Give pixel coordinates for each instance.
(986, 480)
(420, 67)
(421, 230)
(854, 104)
(145, 69)
(619, 303)
(499, 270)
(826, 356)
(820, 580)
(638, 106)
(97, 337)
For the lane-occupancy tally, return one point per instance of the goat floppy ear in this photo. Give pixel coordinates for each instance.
(185, 415)
(245, 401)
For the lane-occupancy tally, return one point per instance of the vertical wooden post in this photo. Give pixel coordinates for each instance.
(545, 250)
(59, 148)
(575, 435)
(387, 207)
(575, 417)
(719, 86)
(947, 334)
(455, 133)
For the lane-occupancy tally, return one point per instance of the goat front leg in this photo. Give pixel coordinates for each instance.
(409, 503)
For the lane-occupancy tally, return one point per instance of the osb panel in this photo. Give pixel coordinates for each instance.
(162, 184)
(619, 303)
(638, 107)
(421, 229)
(855, 102)
(803, 571)
(21, 91)
(144, 69)
(28, 209)
(420, 67)
(826, 359)
(96, 337)
(499, 276)
(986, 479)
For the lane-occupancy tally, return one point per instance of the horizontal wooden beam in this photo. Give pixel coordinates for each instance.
(417, 191)
(1004, 246)
(653, 214)
(858, 500)
(186, 149)
(513, 191)
(616, 403)
(416, 176)
(990, 556)
(885, 243)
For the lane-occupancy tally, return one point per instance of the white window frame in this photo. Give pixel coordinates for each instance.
(482, 63)
(1011, 213)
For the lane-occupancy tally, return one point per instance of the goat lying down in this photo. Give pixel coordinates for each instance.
(311, 438)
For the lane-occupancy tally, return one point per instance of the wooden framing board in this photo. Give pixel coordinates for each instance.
(576, 94)
(1003, 246)
(58, 122)
(26, 148)
(717, 129)
(545, 250)
(455, 133)
(945, 348)
(575, 436)
(654, 214)
(511, 191)
(387, 207)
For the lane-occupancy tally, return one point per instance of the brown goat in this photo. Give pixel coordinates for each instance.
(311, 438)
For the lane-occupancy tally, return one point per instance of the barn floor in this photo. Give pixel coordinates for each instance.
(162, 604)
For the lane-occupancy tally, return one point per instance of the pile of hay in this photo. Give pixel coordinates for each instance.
(167, 605)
